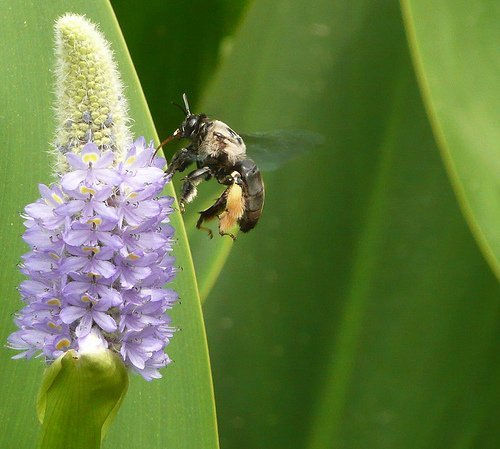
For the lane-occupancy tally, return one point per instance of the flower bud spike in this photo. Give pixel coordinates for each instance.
(90, 105)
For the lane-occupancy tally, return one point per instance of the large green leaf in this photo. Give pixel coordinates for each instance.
(455, 48)
(360, 312)
(176, 46)
(175, 412)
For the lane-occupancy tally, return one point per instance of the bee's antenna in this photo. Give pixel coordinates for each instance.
(180, 107)
(186, 104)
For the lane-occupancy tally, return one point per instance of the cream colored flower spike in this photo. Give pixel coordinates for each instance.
(90, 105)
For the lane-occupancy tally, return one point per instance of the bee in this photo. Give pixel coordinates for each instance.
(220, 153)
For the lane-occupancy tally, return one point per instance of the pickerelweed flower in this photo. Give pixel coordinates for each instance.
(100, 238)
(100, 255)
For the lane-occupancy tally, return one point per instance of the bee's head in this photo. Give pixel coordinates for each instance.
(191, 125)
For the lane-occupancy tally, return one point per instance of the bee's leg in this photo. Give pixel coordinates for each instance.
(189, 190)
(213, 211)
(227, 233)
(180, 160)
(204, 228)
(226, 180)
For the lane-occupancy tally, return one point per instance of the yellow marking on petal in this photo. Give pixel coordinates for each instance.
(54, 256)
(57, 198)
(97, 221)
(132, 195)
(86, 298)
(54, 302)
(64, 343)
(133, 256)
(53, 325)
(92, 249)
(130, 160)
(90, 157)
(84, 190)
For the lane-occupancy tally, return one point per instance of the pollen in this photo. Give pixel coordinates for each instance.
(63, 343)
(54, 302)
(130, 160)
(92, 249)
(54, 256)
(53, 325)
(133, 256)
(85, 190)
(57, 198)
(97, 221)
(86, 298)
(90, 157)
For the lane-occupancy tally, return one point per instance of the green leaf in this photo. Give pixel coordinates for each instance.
(360, 312)
(177, 411)
(455, 51)
(176, 49)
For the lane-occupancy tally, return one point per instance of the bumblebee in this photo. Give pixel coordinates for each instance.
(219, 153)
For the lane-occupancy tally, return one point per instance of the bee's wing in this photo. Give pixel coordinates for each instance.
(272, 149)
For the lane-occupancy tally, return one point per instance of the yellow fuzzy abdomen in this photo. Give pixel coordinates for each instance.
(235, 207)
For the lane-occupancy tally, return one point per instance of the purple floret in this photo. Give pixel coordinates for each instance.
(100, 256)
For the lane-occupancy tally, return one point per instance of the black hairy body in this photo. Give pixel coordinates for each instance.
(220, 153)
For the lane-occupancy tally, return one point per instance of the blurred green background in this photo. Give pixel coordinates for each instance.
(361, 312)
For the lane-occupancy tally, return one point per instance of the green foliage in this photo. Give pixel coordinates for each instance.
(176, 46)
(455, 50)
(184, 398)
(360, 312)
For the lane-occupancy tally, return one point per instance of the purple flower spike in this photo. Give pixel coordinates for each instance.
(100, 256)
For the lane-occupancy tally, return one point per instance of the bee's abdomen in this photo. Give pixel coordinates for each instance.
(253, 188)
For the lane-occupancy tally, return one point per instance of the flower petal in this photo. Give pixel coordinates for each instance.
(72, 180)
(75, 161)
(71, 313)
(104, 321)
(77, 237)
(85, 325)
(105, 160)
